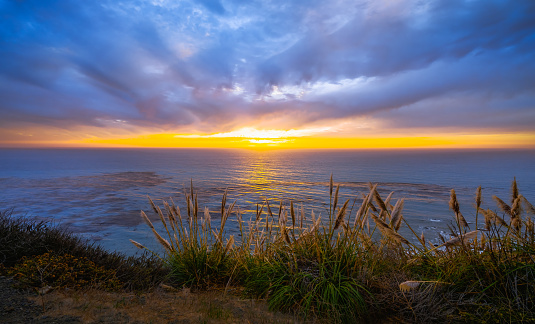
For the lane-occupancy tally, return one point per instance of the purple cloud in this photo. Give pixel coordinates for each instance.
(213, 66)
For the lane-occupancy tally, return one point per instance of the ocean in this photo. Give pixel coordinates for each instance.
(99, 193)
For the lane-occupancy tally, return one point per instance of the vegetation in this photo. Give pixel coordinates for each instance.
(63, 271)
(352, 266)
(30, 248)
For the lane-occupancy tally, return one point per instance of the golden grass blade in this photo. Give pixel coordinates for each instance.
(292, 213)
(454, 205)
(230, 243)
(176, 212)
(286, 237)
(162, 241)
(395, 221)
(378, 199)
(336, 198)
(224, 203)
(146, 219)
(259, 211)
(516, 210)
(502, 205)
(383, 215)
(530, 228)
(269, 209)
(164, 221)
(398, 224)
(281, 220)
(224, 220)
(422, 239)
(331, 186)
(529, 207)
(153, 205)
(216, 235)
(478, 197)
(493, 218)
(516, 207)
(516, 223)
(196, 208)
(514, 191)
(138, 245)
(188, 205)
(359, 212)
(461, 220)
(372, 190)
(302, 217)
(191, 210)
(387, 200)
(488, 218)
(316, 225)
(362, 210)
(207, 217)
(461, 238)
(340, 216)
(170, 216)
(388, 232)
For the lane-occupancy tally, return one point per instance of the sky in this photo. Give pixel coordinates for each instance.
(288, 74)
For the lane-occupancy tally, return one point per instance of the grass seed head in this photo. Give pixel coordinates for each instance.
(514, 191)
(138, 245)
(340, 216)
(478, 197)
(388, 232)
(378, 199)
(396, 214)
(528, 206)
(146, 219)
(502, 205)
(516, 207)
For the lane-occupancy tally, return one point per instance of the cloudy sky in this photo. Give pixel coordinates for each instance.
(175, 72)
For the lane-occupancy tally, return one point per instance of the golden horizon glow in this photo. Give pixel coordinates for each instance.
(275, 139)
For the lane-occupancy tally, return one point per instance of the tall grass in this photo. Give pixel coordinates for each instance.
(353, 264)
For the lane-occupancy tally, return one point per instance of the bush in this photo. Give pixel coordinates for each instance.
(65, 271)
(356, 267)
(23, 237)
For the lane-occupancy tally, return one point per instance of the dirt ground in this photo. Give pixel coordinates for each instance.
(160, 306)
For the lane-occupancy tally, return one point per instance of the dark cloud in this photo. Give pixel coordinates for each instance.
(212, 65)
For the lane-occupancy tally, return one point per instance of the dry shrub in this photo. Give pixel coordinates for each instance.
(65, 271)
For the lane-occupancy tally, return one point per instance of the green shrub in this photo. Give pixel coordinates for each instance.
(198, 267)
(356, 265)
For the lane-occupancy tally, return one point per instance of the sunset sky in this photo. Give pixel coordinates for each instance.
(281, 74)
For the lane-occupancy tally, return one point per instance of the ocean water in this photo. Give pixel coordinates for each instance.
(99, 193)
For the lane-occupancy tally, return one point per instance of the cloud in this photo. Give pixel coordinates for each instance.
(214, 67)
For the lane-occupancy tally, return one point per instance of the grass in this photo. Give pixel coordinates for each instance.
(355, 265)
(350, 265)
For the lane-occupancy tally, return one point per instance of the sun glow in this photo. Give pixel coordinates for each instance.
(253, 133)
(258, 138)
(275, 139)
(267, 141)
